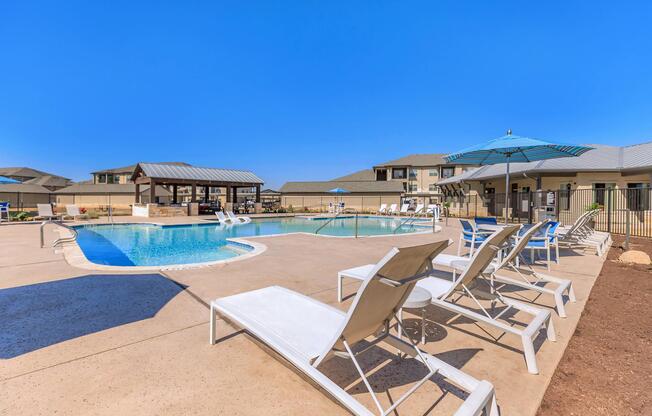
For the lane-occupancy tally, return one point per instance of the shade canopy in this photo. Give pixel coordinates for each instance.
(338, 191)
(514, 149)
(5, 180)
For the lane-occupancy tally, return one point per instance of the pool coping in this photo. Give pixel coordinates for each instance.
(74, 255)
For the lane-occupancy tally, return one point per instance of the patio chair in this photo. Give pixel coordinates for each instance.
(485, 220)
(404, 209)
(382, 209)
(73, 211)
(237, 220)
(307, 332)
(447, 293)
(419, 209)
(528, 278)
(45, 211)
(434, 210)
(545, 239)
(392, 209)
(4, 211)
(471, 237)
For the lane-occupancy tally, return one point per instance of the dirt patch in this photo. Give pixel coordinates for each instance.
(607, 367)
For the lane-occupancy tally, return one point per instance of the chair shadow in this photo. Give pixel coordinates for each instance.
(43, 314)
(391, 371)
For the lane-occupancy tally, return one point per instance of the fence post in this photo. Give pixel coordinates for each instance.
(627, 230)
(529, 207)
(609, 196)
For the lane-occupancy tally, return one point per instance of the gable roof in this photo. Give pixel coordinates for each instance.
(419, 160)
(361, 175)
(25, 172)
(131, 168)
(49, 180)
(600, 159)
(167, 171)
(351, 186)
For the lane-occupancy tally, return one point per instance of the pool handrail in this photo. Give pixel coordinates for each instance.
(344, 211)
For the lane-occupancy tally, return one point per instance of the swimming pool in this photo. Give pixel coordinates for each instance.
(156, 245)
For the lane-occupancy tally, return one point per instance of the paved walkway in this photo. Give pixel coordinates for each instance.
(153, 358)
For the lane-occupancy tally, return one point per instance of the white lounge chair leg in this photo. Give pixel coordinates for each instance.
(571, 293)
(213, 324)
(530, 357)
(491, 409)
(423, 326)
(550, 330)
(339, 287)
(559, 301)
(459, 246)
(557, 253)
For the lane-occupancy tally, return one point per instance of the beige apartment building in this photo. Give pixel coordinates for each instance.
(413, 177)
(616, 178)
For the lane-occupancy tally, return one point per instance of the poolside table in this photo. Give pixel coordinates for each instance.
(419, 298)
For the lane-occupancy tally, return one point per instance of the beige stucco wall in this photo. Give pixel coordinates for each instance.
(366, 202)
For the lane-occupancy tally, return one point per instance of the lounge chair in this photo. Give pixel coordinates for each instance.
(307, 332)
(45, 212)
(392, 209)
(466, 287)
(581, 234)
(237, 220)
(222, 219)
(382, 209)
(73, 211)
(527, 278)
(419, 209)
(404, 209)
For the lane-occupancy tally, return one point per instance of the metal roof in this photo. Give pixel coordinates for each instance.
(164, 171)
(600, 159)
(352, 187)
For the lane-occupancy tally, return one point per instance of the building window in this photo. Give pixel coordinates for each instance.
(447, 172)
(600, 192)
(381, 174)
(433, 172)
(413, 173)
(399, 173)
(638, 196)
(101, 178)
(412, 187)
(432, 187)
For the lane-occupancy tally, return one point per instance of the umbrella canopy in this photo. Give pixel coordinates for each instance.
(510, 148)
(338, 191)
(5, 180)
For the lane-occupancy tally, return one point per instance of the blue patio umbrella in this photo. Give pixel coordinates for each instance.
(338, 191)
(511, 148)
(5, 180)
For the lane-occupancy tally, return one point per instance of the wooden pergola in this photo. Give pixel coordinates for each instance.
(153, 174)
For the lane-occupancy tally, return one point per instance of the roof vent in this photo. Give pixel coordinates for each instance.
(509, 132)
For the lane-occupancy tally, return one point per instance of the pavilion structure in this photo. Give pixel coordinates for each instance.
(173, 176)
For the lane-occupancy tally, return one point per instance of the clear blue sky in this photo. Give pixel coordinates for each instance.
(300, 90)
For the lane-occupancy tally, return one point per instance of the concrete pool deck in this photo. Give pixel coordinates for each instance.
(163, 363)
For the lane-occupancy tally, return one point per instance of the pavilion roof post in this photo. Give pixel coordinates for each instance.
(152, 191)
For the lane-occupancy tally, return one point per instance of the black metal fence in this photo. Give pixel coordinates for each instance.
(621, 209)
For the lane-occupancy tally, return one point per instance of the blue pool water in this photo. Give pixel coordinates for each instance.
(154, 245)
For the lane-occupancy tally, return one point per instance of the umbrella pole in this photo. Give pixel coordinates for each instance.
(507, 191)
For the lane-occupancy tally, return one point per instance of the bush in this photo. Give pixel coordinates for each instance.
(19, 216)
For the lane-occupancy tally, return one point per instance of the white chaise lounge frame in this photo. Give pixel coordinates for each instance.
(528, 278)
(375, 305)
(442, 291)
